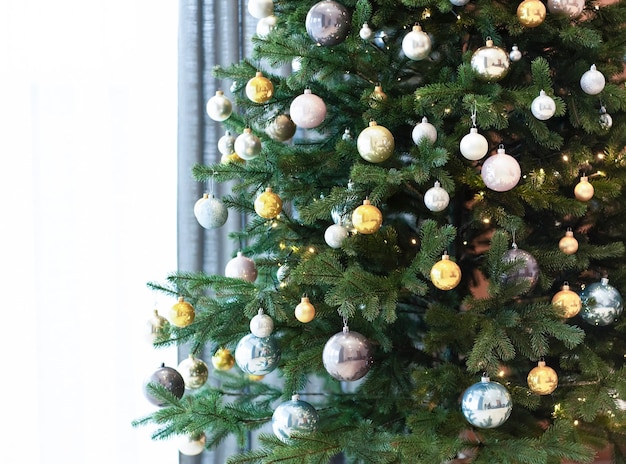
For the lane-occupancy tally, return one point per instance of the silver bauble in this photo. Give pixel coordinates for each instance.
(261, 325)
(602, 303)
(247, 145)
(436, 198)
(593, 81)
(490, 62)
(486, 404)
(210, 212)
(194, 371)
(572, 8)
(515, 54)
(416, 45)
(219, 107)
(474, 146)
(605, 119)
(226, 144)
(424, 131)
(543, 107)
(257, 356)
(294, 416)
(241, 267)
(328, 23)
(335, 235)
(347, 356)
(527, 268)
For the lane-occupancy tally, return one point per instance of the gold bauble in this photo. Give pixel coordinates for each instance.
(194, 371)
(182, 313)
(542, 379)
(375, 143)
(268, 205)
(366, 218)
(568, 244)
(232, 158)
(584, 190)
(259, 89)
(531, 13)
(305, 311)
(255, 377)
(567, 301)
(445, 274)
(223, 359)
(377, 97)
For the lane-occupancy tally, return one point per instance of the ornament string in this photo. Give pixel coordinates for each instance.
(474, 113)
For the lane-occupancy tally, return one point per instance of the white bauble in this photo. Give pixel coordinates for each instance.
(219, 107)
(424, 130)
(543, 107)
(226, 144)
(474, 146)
(210, 212)
(261, 325)
(335, 235)
(260, 8)
(416, 44)
(501, 172)
(241, 267)
(307, 110)
(593, 81)
(515, 54)
(366, 33)
(265, 26)
(247, 145)
(192, 446)
(436, 198)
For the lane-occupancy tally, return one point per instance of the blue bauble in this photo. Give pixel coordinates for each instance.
(486, 404)
(602, 303)
(257, 356)
(294, 416)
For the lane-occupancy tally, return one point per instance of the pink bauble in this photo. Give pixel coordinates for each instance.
(307, 110)
(241, 267)
(501, 172)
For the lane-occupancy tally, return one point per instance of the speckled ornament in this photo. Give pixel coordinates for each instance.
(210, 212)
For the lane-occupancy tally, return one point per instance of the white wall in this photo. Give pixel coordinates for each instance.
(87, 200)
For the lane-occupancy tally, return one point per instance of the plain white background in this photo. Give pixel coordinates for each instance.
(87, 197)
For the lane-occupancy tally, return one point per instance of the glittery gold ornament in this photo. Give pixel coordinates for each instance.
(531, 13)
(367, 218)
(568, 244)
(567, 301)
(375, 143)
(542, 379)
(305, 311)
(223, 359)
(268, 205)
(445, 274)
(259, 89)
(182, 313)
(584, 190)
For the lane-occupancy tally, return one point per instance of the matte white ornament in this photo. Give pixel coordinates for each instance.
(515, 54)
(474, 146)
(261, 325)
(501, 172)
(593, 81)
(226, 144)
(219, 107)
(210, 212)
(366, 33)
(424, 130)
(543, 107)
(260, 8)
(241, 267)
(436, 198)
(335, 235)
(247, 145)
(416, 44)
(265, 26)
(307, 110)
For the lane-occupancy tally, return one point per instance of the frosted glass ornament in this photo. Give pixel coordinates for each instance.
(219, 107)
(366, 33)
(247, 145)
(375, 143)
(261, 325)
(593, 81)
(307, 110)
(571, 8)
(424, 130)
(543, 107)
(294, 416)
(474, 146)
(210, 212)
(501, 172)
(335, 235)
(486, 404)
(257, 356)
(347, 356)
(328, 23)
(436, 198)
(260, 8)
(416, 45)
(601, 303)
(490, 62)
(266, 25)
(241, 267)
(226, 144)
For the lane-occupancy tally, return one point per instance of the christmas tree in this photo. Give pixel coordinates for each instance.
(435, 233)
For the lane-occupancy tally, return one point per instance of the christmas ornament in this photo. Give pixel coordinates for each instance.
(347, 356)
(281, 129)
(247, 145)
(584, 190)
(219, 108)
(490, 62)
(241, 267)
(226, 144)
(282, 274)
(501, 172)
(266, 25)
(602, 303)
(377, 97)
(515, 54)
(260, 8)
(572, 8)
(268, 205)
(375, 143)
(531, 13)
(335, 235)
(257, 356)
(305, 311)
(593, 81)
(167, 377)
(424, 130)
(328, 23)
(347, 135)
(158, 327)
(416, 44)
(474, 146)
(568, 244)
(436, 198)
(192, 445)
(210, 212)
(261, 325)
(182, 313)
(445, 274)
(342, 213)
(295, 416)
(307, 110)
(367, 218)
(527, 268)
(567, 302)
(194, 371)
(459, 2)
(366, 33)
(605, 119)
(542, 379)
(486, 404)
(223, 359)
(543, 107)
(232, 158)
(259, 89)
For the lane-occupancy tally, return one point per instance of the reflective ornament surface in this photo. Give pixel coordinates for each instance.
(542, 379)
(543, 107)
(531, 13)
(501, 172)
(436, 198)
(515, 54)
(294, 416)
(259, 89)
(223, 359)
(367, 218)
(347, 356)
(219, 107)
(247, 145)
(445, 274)
(375, 143)
(490, 62)
(261, 325)
(210, 212)
(282, 128)
(305, 311)
(593, 81)
(335, 234)
(424, 131)
(572, 8)
(182, 313)
(486, 404)
(257, 356)
(167, 377)
(568, 244)
(567, 302)
(602, 303)
(328, 23)
(241, 267)
(584, 190)
(194, 371)
(192, 445)
(526, 270)
(474, 146)
(282, 273)
(268, 204)
(605, 119)
(307, 110)
(416, 44)
(459, 2)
